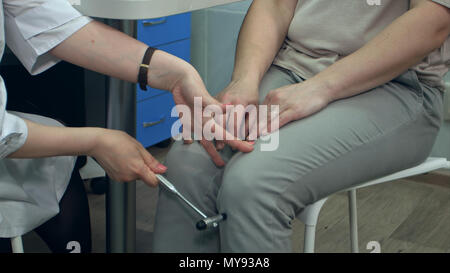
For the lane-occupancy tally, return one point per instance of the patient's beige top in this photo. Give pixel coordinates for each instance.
(323, 31)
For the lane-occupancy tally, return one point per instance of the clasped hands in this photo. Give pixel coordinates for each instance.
(280, 107)
(124, 159)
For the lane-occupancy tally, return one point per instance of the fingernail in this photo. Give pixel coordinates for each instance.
(251, 142)
(162, 167)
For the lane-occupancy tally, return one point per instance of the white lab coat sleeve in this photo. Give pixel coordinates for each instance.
(34, 27)
(13, 129)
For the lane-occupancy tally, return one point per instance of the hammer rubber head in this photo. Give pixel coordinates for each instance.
(211, 221)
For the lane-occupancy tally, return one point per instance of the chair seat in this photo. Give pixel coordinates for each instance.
(309, 215)
(431, 164)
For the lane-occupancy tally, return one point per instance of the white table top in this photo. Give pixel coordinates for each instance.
(141, 9)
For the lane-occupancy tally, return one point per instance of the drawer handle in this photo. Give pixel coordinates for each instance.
(153, 123)
(154, 23)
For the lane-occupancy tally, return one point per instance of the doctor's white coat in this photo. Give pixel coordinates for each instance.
(30, 189)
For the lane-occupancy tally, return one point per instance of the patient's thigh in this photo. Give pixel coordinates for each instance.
(349, 142)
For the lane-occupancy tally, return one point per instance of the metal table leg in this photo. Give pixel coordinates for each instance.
(121, 197)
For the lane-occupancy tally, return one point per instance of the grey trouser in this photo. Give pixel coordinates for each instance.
(387, 129)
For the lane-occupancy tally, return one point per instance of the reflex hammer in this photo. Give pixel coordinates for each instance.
(203, 224)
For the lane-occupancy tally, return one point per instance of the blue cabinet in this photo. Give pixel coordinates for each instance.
(165, 30)
(154, 107)
(154, 121)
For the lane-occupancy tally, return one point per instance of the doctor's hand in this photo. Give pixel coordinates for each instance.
(123, 158)
(191, 86)
(120, 155)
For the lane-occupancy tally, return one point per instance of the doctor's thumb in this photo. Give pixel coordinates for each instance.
(149, 178)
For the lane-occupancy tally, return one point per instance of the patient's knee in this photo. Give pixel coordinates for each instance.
(242, 188)
(186, 157)
(190, 168)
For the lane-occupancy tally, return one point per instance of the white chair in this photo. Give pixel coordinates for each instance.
(17, 245)
(310, 214)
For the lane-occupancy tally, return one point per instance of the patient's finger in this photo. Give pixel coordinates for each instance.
(220, 145)
(213, 153)
(240, 122)
(234, 142)
(252, 127)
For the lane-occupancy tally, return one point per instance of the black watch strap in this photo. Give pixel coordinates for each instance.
(143, 68)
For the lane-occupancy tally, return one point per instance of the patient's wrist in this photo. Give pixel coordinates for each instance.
(244, 85)
(324, 89)
(246, 78)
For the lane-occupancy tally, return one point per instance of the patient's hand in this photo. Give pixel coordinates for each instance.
(239, 93)
(191, 86)
(236, 93)
(296, 101)
(243, 93)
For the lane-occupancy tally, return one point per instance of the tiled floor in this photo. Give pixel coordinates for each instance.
(403, 216)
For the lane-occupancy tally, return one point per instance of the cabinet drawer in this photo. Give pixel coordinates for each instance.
(154, 121)
(181, 49)
(164, 30)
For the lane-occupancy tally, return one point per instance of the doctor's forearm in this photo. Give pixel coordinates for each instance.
(46, 141)
(400, 46)
(106, 50)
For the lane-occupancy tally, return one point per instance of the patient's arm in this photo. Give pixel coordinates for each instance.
(264, 29)
(404, 43)
(262, 33)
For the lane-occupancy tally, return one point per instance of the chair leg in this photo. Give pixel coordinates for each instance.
(17, 245)
(310, 236)
(309, 217)
(353, 220)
